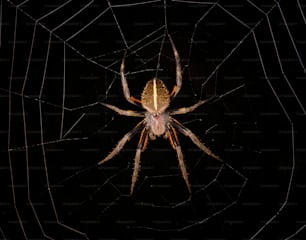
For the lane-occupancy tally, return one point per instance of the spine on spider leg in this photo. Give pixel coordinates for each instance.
(136, 169)
(116, 150)
(201, 145)
(140, 147)
(176, 145)
(122, 142)
(188, 133)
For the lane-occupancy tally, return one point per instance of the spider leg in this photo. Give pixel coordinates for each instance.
(178, 85)
(176, 145)
(122, 142)
(187, 132)
(128, 113)
(140, 147)
(184, 110)
(125, 86)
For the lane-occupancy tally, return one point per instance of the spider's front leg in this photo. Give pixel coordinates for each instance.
(176, 145)
(122, 142)
(187, 132)
(140, 147)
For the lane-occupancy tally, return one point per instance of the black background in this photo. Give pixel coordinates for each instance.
(51, 186)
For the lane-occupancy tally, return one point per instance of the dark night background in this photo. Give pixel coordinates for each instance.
(56, 131)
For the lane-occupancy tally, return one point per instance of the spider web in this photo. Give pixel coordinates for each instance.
(60, 59)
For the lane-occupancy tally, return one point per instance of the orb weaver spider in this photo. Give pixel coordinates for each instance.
(155, 99)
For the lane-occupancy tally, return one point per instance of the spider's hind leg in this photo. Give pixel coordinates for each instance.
(179, 77)
(125, 87)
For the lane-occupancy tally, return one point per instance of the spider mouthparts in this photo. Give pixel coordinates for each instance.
(156, 115)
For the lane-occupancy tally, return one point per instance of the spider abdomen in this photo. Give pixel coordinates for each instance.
(155, 96)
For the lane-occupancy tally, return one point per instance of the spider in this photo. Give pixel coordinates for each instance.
(158, 121)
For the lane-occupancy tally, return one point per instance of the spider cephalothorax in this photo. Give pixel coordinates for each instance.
(155, 99)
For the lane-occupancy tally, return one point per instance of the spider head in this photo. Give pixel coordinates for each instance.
(155, 96)
(157, 122)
